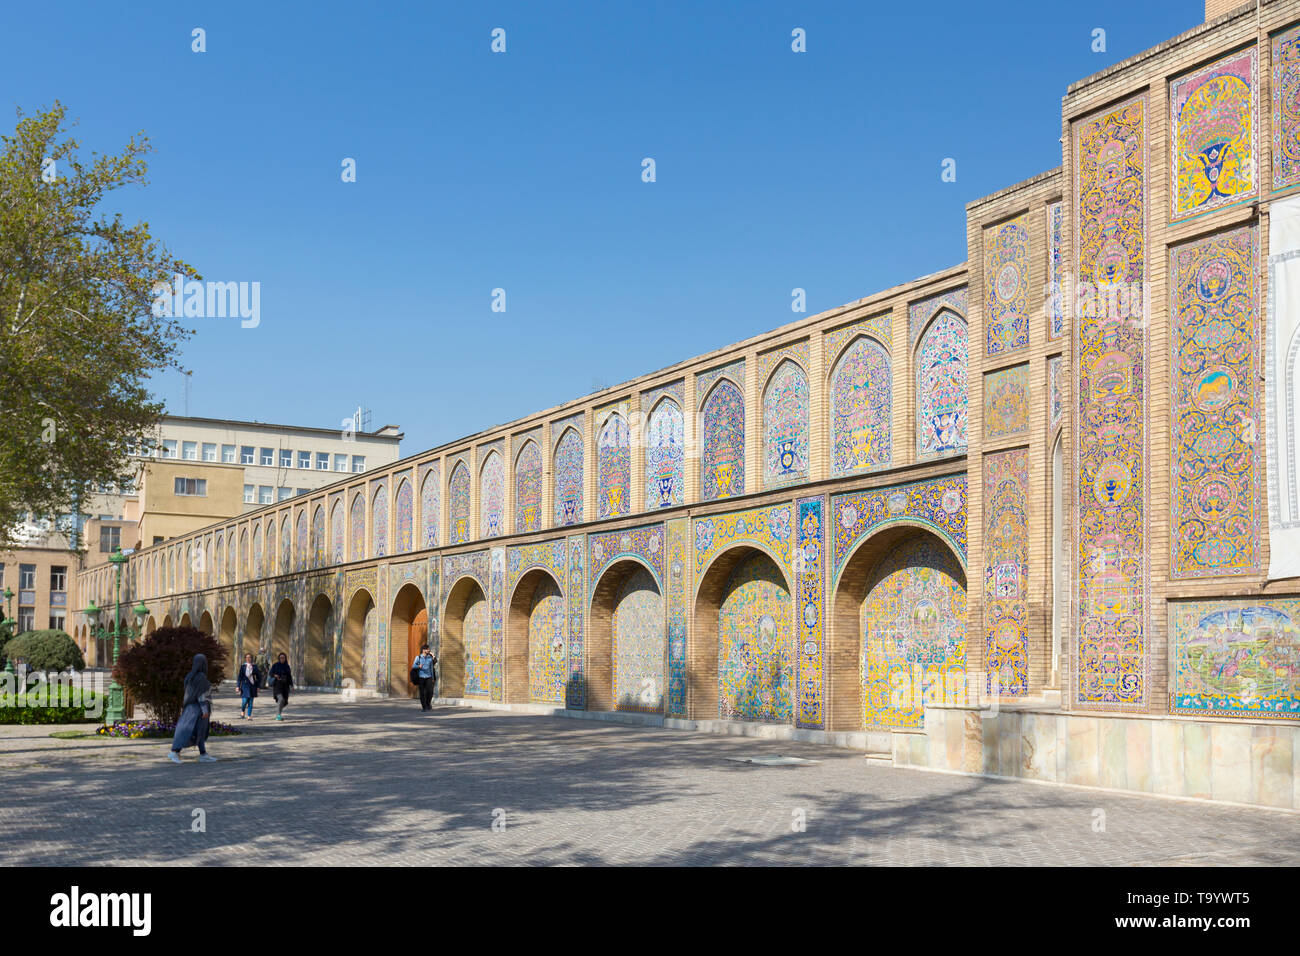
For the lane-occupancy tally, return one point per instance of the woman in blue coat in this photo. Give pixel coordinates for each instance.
(247, 683)
(196, 709)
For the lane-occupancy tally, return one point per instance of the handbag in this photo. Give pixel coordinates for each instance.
(415, 675)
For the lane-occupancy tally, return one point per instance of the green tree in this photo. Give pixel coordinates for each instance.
(78, 337)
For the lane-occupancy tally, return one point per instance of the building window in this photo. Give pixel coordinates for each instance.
(246, 456)
(358, 462)
(26, 577)
(268, 457)
(190, 450)
(283, 493)
(209, 451)
(2, 575)
(109, 539)
(250, 494)
(169, 448)
(26, 619)
(157, 539)
(265, 494)
(340, 462)
(301, 491)
(322, 461)
(286, 458)
(228, 454)
(58, 577)
(197, 487)
(56, 622)
(128, 487)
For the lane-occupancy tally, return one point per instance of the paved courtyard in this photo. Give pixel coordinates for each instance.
(378, 782)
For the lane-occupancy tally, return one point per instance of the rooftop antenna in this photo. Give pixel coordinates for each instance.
(188, 374)
(361, 420)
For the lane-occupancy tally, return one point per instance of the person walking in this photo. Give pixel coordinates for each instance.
(281, 681)
(262, 666)
(196, 711)
(423, 672)
(247, 682)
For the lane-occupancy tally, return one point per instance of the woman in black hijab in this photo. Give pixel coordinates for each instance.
(281, 681)
(196, 709)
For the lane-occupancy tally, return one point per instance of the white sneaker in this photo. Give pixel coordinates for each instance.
(207, 758)
(173, 756)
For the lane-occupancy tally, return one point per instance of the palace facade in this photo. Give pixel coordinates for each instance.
(963, 523)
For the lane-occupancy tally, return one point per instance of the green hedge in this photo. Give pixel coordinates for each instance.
(38, 713)
(45, 651)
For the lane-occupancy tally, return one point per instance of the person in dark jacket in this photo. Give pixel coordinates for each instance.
(196, 710)
(281, 681)
(247, 683)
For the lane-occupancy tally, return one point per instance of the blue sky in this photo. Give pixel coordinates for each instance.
(522, 171)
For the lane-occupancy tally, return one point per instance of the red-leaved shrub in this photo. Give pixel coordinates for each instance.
(154, 670)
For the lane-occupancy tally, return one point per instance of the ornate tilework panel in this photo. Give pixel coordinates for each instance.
(379, 520)
(1216, 459)
(1110, 185)
(785, 426)
(704, 381)
(523, 558)
(403, 517)
(1236, 657)
(796, 352)
(676, 535)
(810, 569)
(1006, 572)
(492, 497)
(243, 558)
(938, 504)
(860, 406)
(941, 363)
(920, 313)
(1055, 271)
(1213, 118)
(665, 456)
(1006, 286)
(548, 655)
(755, 644)
(478, 647)
(913, 635)
(430, 503)
(613, 467)
(638, 644)
(455, 566)
(496, 618)
(879, 327)
(528, 488)
(357, 550)
(674, 390)
(336, 531)
(568, 478)
(1055, 389)
(458, 496)
(257, 551)
(318, 536)
(1006, 402)
(1286, 108)
(770, 528)
(300, 533)
(722, 457)
(644, 543)
(575, 697)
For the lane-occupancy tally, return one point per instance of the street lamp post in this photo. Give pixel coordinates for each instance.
(9, 603)
(116, 708)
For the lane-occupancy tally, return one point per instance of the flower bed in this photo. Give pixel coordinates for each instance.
(137, 729)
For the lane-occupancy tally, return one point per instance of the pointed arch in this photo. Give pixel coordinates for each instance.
(338, 532)
(403, 517)
(430, 500)
(941, 385)
(567, 473)
(379, 521)
(257, 550)
(300, 533)
(357, 518)
(272, 554)
(492, 496)
(722, 456)
(317, 546)
(665, 455)
(528, 487)
(861, 404)
(458, 504)
(613, 467)
(786, 403)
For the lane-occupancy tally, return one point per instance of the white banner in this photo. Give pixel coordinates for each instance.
(1282, 388)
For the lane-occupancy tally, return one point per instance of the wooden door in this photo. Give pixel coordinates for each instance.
(417, 635)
